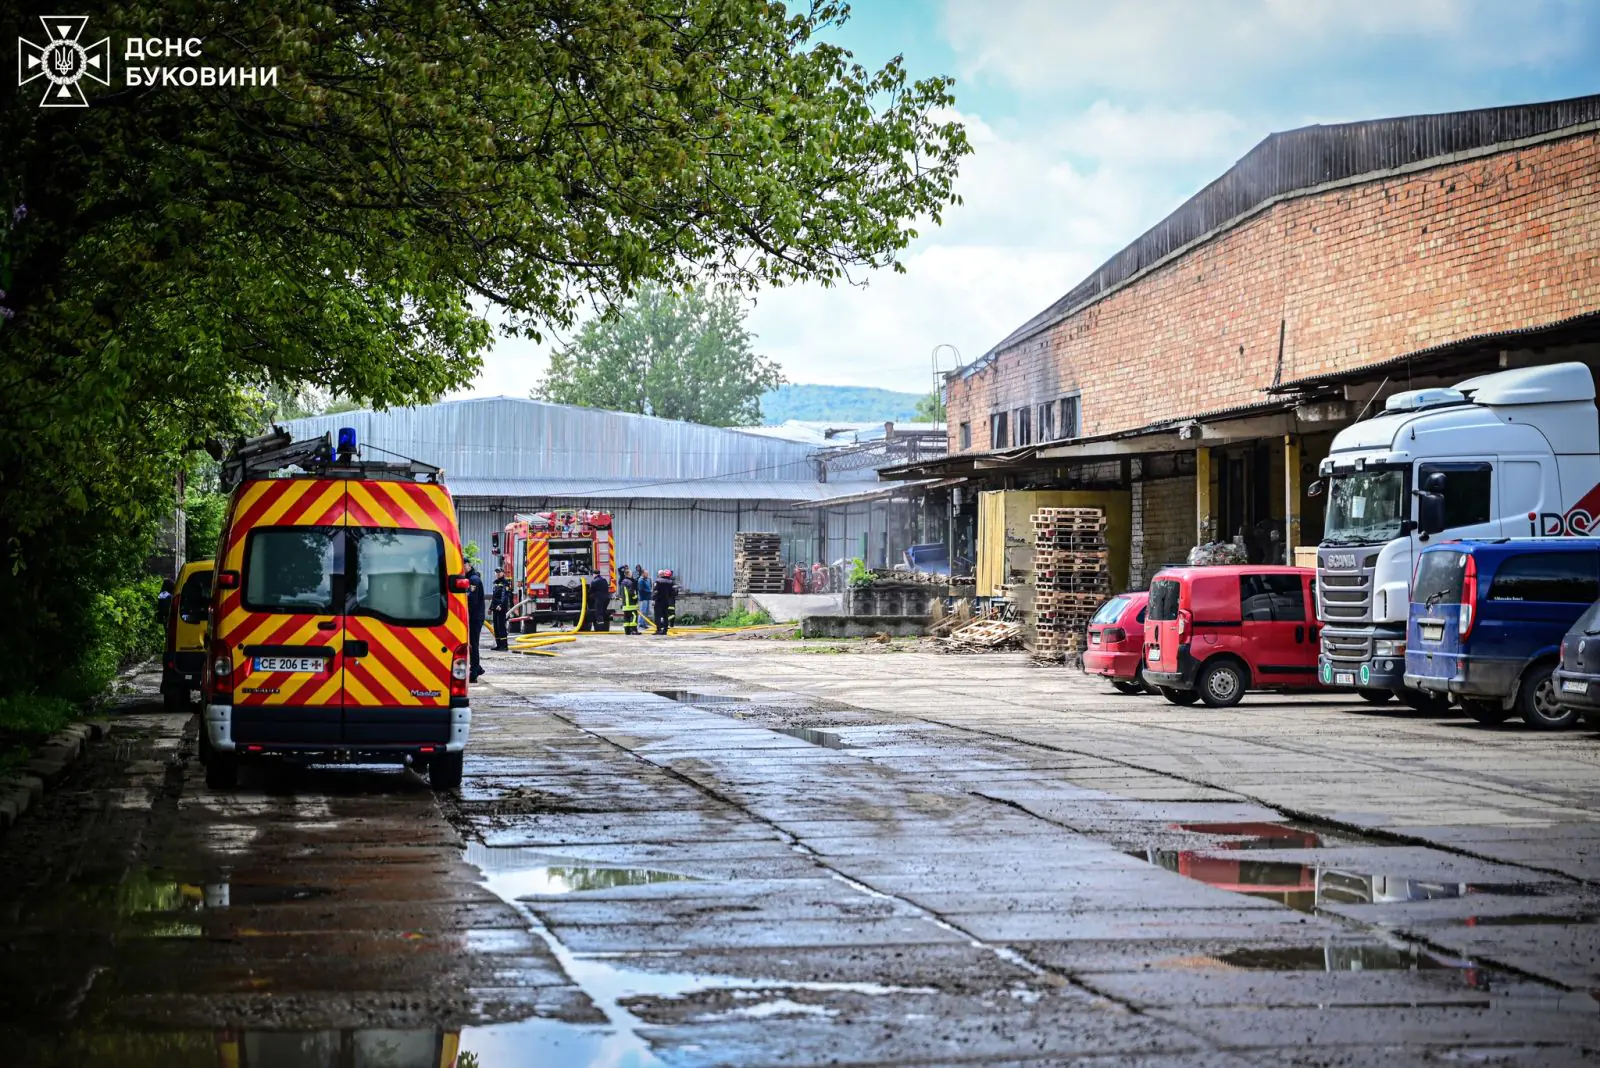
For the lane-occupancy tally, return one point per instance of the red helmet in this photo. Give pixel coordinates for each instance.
(666, 573)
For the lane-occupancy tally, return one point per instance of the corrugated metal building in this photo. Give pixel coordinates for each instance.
(678, 491)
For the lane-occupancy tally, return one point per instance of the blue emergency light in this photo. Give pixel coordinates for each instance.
(347, 442)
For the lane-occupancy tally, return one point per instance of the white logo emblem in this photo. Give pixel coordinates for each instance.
(63, 62)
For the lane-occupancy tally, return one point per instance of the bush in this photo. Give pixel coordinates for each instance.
(121, 629)
(34, 717)
(738, 617)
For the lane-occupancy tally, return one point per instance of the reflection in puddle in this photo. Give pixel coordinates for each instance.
(1340, 958)
(826, 739)
(1306, 887)
(688, 697)
(512, 872)
(1255, 835)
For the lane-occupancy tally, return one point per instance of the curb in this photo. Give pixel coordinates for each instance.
(45, 770)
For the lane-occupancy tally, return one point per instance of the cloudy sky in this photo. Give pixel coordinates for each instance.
(1092, 119)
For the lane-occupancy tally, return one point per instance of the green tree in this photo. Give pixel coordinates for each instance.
(930, 408)
(678, 356)
(169, 255)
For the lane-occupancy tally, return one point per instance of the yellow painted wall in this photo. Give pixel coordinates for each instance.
(1005, 531)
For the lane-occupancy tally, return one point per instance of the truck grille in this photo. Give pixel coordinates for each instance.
(1345, 597)
(1347, 646)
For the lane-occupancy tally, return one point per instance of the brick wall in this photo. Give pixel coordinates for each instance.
(1356, 275)
(1163, 526)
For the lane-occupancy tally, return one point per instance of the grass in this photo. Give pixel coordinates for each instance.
(25, 721)
(738, 617)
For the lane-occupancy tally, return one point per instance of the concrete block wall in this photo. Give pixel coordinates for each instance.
(1355, 274)
(1163, 527)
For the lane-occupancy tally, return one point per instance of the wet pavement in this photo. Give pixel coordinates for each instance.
(738, 852)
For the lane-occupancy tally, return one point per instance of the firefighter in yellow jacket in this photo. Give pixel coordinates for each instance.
(629, 588)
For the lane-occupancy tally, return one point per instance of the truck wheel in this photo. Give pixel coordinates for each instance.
(1179, 697)
(1426, 703)
(1375, 697)
(222, 771)
(1222, 683)
(444, 771)
(1539, 704)
(1489, 713)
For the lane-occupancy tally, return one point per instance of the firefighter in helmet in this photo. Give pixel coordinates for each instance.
(500, 607)
(666, 600)
(628, 587)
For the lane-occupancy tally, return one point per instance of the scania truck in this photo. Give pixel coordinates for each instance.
(1510, 454)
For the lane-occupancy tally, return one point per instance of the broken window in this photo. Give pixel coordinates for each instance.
(1070, 426)
(997, 430)
(1047, 422)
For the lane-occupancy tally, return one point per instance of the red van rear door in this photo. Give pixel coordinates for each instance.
(1161, 630)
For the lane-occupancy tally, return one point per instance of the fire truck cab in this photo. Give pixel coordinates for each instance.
(550, 555)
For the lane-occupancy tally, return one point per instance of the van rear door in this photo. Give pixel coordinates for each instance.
(403, 628)
(283, 623)
(1161, 630)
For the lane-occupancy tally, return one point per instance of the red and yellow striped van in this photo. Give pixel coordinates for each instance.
(340, 625)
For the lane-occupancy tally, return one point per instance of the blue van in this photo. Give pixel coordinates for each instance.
(1487, 619)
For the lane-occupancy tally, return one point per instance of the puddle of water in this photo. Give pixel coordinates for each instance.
(1256, 835)
(513, 872)
(1305, 887)
(689, 697)
(1528, 919)
(1339, 958)
(826, 739)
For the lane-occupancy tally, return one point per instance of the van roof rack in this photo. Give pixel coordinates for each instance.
(267, 454)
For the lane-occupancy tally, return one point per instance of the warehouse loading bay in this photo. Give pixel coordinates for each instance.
(753, 850)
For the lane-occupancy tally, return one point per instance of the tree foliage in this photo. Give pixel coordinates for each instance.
(169, 255)
(678, 356)
(930, 408)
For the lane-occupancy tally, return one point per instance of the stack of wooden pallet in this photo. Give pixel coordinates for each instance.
(1071, 578)
(757, 563)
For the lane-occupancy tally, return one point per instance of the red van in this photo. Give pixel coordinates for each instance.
(1116, 642)
(1211, 633)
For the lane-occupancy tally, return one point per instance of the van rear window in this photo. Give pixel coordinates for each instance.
(1439, 578)
(400, 576)
(1163, 600)
(1109, 611)
(292, 569)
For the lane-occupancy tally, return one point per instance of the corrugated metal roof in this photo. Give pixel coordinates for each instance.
(509, 438)
(574, 489)
(1304, 159)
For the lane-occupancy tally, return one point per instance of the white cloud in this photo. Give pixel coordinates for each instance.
(1155, 46)
(1041, 210)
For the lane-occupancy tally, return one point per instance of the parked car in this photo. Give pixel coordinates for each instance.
(1487, 620)
(1116, 642)
(1577, 676)
(1212, 633)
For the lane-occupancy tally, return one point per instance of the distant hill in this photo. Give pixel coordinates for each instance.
(843, 404)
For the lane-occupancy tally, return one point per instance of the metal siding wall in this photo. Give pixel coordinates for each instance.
(693, 538)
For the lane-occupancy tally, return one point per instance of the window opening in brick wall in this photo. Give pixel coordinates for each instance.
(997, 430)
(1047, 422)
(1071, 426)
(966, 436)
(1024, 426)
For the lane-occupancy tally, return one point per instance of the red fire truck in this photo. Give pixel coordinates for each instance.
(551, 554)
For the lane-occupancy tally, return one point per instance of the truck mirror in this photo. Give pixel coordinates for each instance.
(1434, 483)
(494, 541)
(1316, 488)
(1430, 511)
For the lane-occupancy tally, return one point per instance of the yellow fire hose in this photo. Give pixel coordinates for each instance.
(536, 644)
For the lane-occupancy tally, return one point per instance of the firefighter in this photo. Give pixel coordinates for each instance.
(666, 598)
(600, 601)
(500, 606)
(474, 620)
(629, 589)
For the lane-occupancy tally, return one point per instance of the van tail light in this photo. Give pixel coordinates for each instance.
(458, 671)
(1469, 597)
(228, 580)
(221, 668)
(1113, 635)
(1184, 620)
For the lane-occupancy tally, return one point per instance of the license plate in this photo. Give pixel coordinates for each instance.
(1574, 686)
(1431, 631)
(1344, 678)
(1152, 654)
(293, 664)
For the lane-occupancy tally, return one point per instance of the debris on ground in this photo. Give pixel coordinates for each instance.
(984, 635)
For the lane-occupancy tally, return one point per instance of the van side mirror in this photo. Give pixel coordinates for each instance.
(1316, 488)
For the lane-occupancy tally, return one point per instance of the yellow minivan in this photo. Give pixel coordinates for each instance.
(188, 632)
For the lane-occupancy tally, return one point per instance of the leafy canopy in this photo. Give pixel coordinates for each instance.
(170, 255)
(678, 356)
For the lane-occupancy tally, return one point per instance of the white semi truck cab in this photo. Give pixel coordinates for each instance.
(1510, 454)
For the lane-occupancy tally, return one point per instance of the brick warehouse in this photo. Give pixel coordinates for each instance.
(1206, 367)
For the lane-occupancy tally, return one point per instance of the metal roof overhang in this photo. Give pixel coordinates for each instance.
(899, 488)
(576, 489)
(1264, 419)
